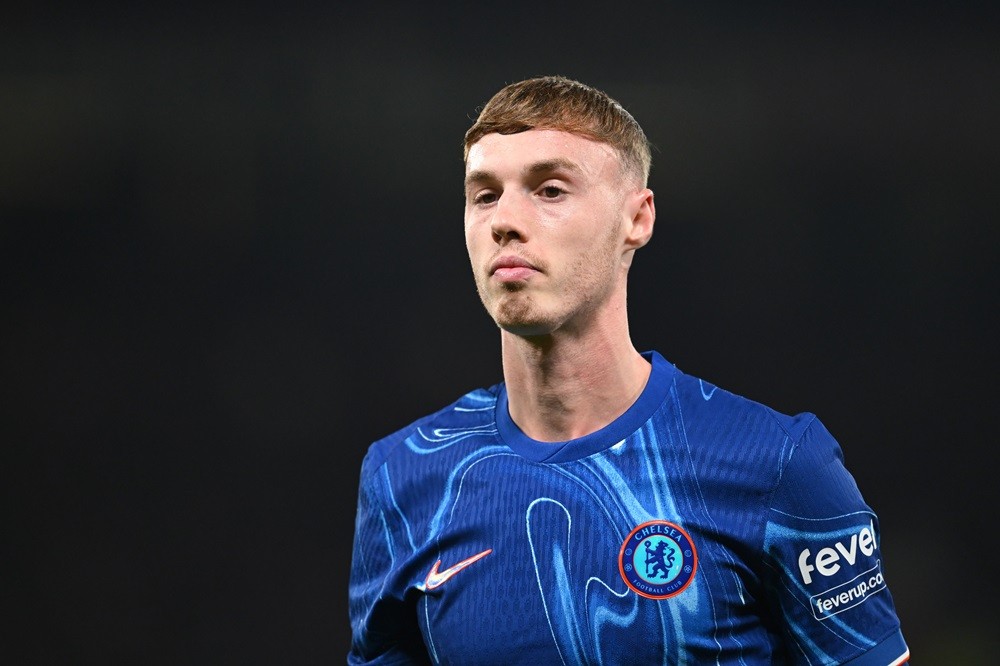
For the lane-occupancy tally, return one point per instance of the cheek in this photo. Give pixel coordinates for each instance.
(584, 240)
(476, 245)
(471, 239)
(469, 235)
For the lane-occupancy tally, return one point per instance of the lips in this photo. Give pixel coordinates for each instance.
(511, 268)
(509, 261)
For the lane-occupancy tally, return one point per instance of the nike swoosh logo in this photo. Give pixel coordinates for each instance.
(438, 578)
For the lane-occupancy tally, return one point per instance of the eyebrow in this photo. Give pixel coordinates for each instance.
(556, 164)
(544, 166)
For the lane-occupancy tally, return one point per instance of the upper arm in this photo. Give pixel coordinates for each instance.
(824, 563)
(384, 627)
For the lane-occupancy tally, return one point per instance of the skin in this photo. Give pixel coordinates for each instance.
(552, 221)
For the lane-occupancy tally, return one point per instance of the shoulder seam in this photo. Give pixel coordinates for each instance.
(805, 427)
(392, 441)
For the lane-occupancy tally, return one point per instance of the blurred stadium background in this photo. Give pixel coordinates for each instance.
(231, 256)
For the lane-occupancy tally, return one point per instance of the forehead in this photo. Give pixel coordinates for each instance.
(497, 153)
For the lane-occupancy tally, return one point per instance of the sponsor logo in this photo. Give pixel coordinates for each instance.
(828, 560)
(658, 560)
(848, 595)
(437, 578)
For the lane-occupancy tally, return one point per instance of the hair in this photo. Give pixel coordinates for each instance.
(558, 103)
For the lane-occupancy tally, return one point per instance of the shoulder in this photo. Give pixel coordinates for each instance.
(798, 461)
(474, 410)
(707, 406)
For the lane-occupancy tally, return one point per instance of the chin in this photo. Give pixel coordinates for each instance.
(518, 315)
(526, 329)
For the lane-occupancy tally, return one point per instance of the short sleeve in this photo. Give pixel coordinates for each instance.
(824, 562)
(384, 627)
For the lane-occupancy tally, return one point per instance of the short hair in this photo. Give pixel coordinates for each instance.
(559, 103)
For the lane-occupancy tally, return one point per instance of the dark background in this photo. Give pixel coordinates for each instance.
(231, 255)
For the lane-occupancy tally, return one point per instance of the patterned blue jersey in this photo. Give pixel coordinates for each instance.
(697, 528)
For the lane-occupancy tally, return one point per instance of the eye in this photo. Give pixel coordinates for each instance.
(484, 198)
(551, 192)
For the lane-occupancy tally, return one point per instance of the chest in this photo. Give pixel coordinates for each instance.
(602, 561)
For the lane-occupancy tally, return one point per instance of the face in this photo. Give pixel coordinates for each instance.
(547, 226)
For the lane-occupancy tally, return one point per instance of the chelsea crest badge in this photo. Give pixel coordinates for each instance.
(658, 560)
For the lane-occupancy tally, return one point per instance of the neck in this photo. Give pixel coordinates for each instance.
(564, 386)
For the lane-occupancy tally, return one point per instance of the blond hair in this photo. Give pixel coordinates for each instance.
(558, 103)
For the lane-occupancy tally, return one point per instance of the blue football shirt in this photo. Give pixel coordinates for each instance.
(699, 527)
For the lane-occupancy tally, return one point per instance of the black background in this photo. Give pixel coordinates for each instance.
(231, 256)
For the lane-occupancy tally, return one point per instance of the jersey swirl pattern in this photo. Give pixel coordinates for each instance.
(783, 558)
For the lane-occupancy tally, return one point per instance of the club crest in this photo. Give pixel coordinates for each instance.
(658, 560)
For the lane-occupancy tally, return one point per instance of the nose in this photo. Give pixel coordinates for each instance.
(510, 219)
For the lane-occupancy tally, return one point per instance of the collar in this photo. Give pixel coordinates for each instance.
(653, 394)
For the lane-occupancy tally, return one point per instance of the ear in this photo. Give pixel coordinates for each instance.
(642, 213)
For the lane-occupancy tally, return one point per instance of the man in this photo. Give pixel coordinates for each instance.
(600, 506)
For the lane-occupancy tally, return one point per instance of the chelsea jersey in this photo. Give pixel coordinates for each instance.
(697, 528)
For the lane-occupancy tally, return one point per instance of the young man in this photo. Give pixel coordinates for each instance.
(600, 506)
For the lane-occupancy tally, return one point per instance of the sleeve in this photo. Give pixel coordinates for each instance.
(384, 627)
(824, 568)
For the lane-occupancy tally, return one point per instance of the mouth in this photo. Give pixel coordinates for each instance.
(512, 268)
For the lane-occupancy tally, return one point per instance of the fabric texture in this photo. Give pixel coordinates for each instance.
(699, 527)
